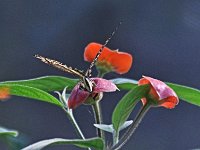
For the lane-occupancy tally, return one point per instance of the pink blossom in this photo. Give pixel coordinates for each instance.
(79, 95)
(160, 92)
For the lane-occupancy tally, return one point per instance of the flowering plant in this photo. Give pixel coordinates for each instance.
(151, 92)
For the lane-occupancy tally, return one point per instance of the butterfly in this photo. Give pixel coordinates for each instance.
(86, 83)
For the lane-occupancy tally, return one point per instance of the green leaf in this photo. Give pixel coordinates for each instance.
(109, 128)
(8, 136)
(46, 83)
(31, 92)
(124, 84)
(7, 132)
(105, 127)
(95, 143)
(187, 94)
(125, 125)
(126, 105)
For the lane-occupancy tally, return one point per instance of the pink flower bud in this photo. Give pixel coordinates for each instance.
(79, 95)
(160, 92)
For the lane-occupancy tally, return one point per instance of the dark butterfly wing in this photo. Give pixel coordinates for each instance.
(60, 66)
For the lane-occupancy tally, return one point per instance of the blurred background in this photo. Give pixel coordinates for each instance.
(163, 36)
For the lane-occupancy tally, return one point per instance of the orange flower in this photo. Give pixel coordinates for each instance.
(160, 93)
(109, 60)
(4, 93)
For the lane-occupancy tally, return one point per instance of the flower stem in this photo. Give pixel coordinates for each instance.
(133, 127)
(115, 137)
(101, 73)
(98, 118)
(74, 123)
(97, 110)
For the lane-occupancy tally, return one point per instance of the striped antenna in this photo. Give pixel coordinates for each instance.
(89, 70)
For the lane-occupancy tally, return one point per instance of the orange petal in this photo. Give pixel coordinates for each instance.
(169, 102)
(120, 61)
(92, 49)
(143, 81)
(4, 93)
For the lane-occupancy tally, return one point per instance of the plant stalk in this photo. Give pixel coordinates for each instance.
(98, 118)
(97, 111)
(115, 137)
(101, 74)
(132, 128)
(74, 123)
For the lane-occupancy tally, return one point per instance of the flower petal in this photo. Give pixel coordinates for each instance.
(77, 97)
(152, 91)
(4, 93)
(169, 102)
(159, 90)
(92, 49)
(103, 85)
(119, 61)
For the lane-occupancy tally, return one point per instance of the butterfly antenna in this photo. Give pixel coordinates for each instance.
(88, 72)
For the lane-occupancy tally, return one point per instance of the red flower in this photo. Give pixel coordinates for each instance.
(109, 60)
(160, 92)
(4, 93)
(79, 96)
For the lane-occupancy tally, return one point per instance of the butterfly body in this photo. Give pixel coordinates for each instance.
(87, 84)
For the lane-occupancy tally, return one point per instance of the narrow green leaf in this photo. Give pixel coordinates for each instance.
(31, 92)
(187, 94)
(105, 127)
(46, 83)
(109, 128)
(125, 125)
(95, 143)
(7, 132)
(126, 105)
(8, 136)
